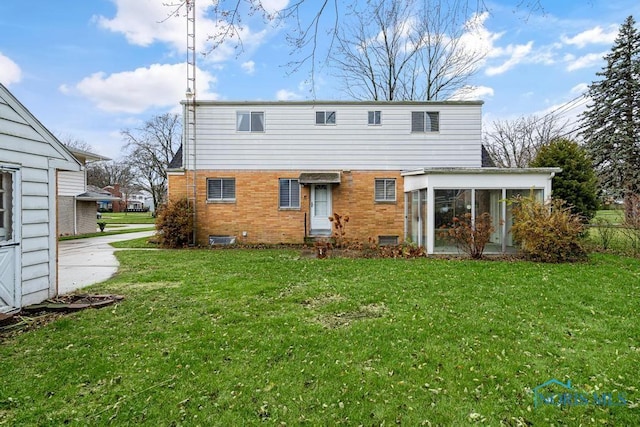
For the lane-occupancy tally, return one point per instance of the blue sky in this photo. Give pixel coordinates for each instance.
(87, 69)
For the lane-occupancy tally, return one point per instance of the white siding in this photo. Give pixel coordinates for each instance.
(24, 142)
(71, 183)
(292, 140)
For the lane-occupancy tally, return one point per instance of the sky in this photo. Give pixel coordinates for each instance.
(88, 69)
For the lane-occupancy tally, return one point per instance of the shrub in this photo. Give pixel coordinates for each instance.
(339, 232)
(605, 232)
(547, 232)
(577, 183)
(174, 223)
(471, 238)
(631, 224)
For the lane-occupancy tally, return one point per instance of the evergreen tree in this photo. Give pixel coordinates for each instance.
(577, 183)
(611, 123)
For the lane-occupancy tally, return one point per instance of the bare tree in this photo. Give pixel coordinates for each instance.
(102, 174)
(72, 142)
(515, 143)
(411, 50)
(151, 148)
(306, 21)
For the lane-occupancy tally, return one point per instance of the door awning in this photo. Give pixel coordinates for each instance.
(319, 178)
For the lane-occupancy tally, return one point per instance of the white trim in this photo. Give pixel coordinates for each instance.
(53, 234)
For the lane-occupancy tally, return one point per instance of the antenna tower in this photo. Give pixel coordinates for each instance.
(190, 112)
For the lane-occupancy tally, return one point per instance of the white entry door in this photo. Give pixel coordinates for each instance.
(9, 242)
(320, 209)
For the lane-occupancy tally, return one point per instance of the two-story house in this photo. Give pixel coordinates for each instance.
(275, 172)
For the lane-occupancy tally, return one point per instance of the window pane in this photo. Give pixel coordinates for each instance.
(331, 117)
(257, 122)
(295, 193)
(379, 189)
(390, 190)
(214, 189)
(285, 199)
(417, 121)
(243, 122)
(433, 119)
(319, 117)
(228, 189)
(374, 117)
(6, 203)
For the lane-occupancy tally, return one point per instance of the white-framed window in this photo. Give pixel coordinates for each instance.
(221, 189)
(250, 121)
(425, 121)
(6, 206)
(375, 118)
(385, 190)
(325, 117)
(289, 193)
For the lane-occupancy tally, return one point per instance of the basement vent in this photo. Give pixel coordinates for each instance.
(222, 240)
(387, 240)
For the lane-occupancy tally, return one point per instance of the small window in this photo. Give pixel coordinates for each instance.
(289, 193)
(387, 240)
(375, 118)
(385, 189)
(221, 189)
(250, 121)
(325, 117)
(425, 121)
(6, 204)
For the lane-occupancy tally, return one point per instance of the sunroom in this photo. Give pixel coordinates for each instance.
(434, 197)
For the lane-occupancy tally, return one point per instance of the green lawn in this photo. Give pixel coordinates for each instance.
(231, 337)
(127, 218)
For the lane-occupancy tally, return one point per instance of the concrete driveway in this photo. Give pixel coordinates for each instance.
(85, 262)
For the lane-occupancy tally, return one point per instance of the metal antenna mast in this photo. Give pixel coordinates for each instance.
(190, 112)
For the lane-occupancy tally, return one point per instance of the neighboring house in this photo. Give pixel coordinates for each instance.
(275, 172)
(128, 202)
(31, 157)
(77, 202)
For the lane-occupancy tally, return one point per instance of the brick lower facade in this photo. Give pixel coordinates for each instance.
(71, 210)
(256, 209)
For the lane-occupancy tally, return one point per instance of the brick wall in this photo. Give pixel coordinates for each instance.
(256, 210)
(87, 219)
(65, 215)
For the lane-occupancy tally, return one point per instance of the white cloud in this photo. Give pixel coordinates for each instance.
(249, 67)
(469, 93)
(595, 35)
(286, 95)
(477, 38)
(585, 61)
(517, 53)
(580, 88)
(144, 22)
(10, 72)
(160, 85)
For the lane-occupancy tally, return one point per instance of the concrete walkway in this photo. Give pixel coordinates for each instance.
(85, 262)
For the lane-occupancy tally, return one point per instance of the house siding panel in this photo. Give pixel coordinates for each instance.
(71, 183)
(292, 140)
(24, 142)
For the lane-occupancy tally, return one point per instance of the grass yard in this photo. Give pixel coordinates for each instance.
(230, 337)
(112, 218)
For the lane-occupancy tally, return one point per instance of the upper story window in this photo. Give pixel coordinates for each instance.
(385, 190)
(425, 121)
(325, 117)
(221, 189)
(375, 117)
(250, 121)
(289, 193)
